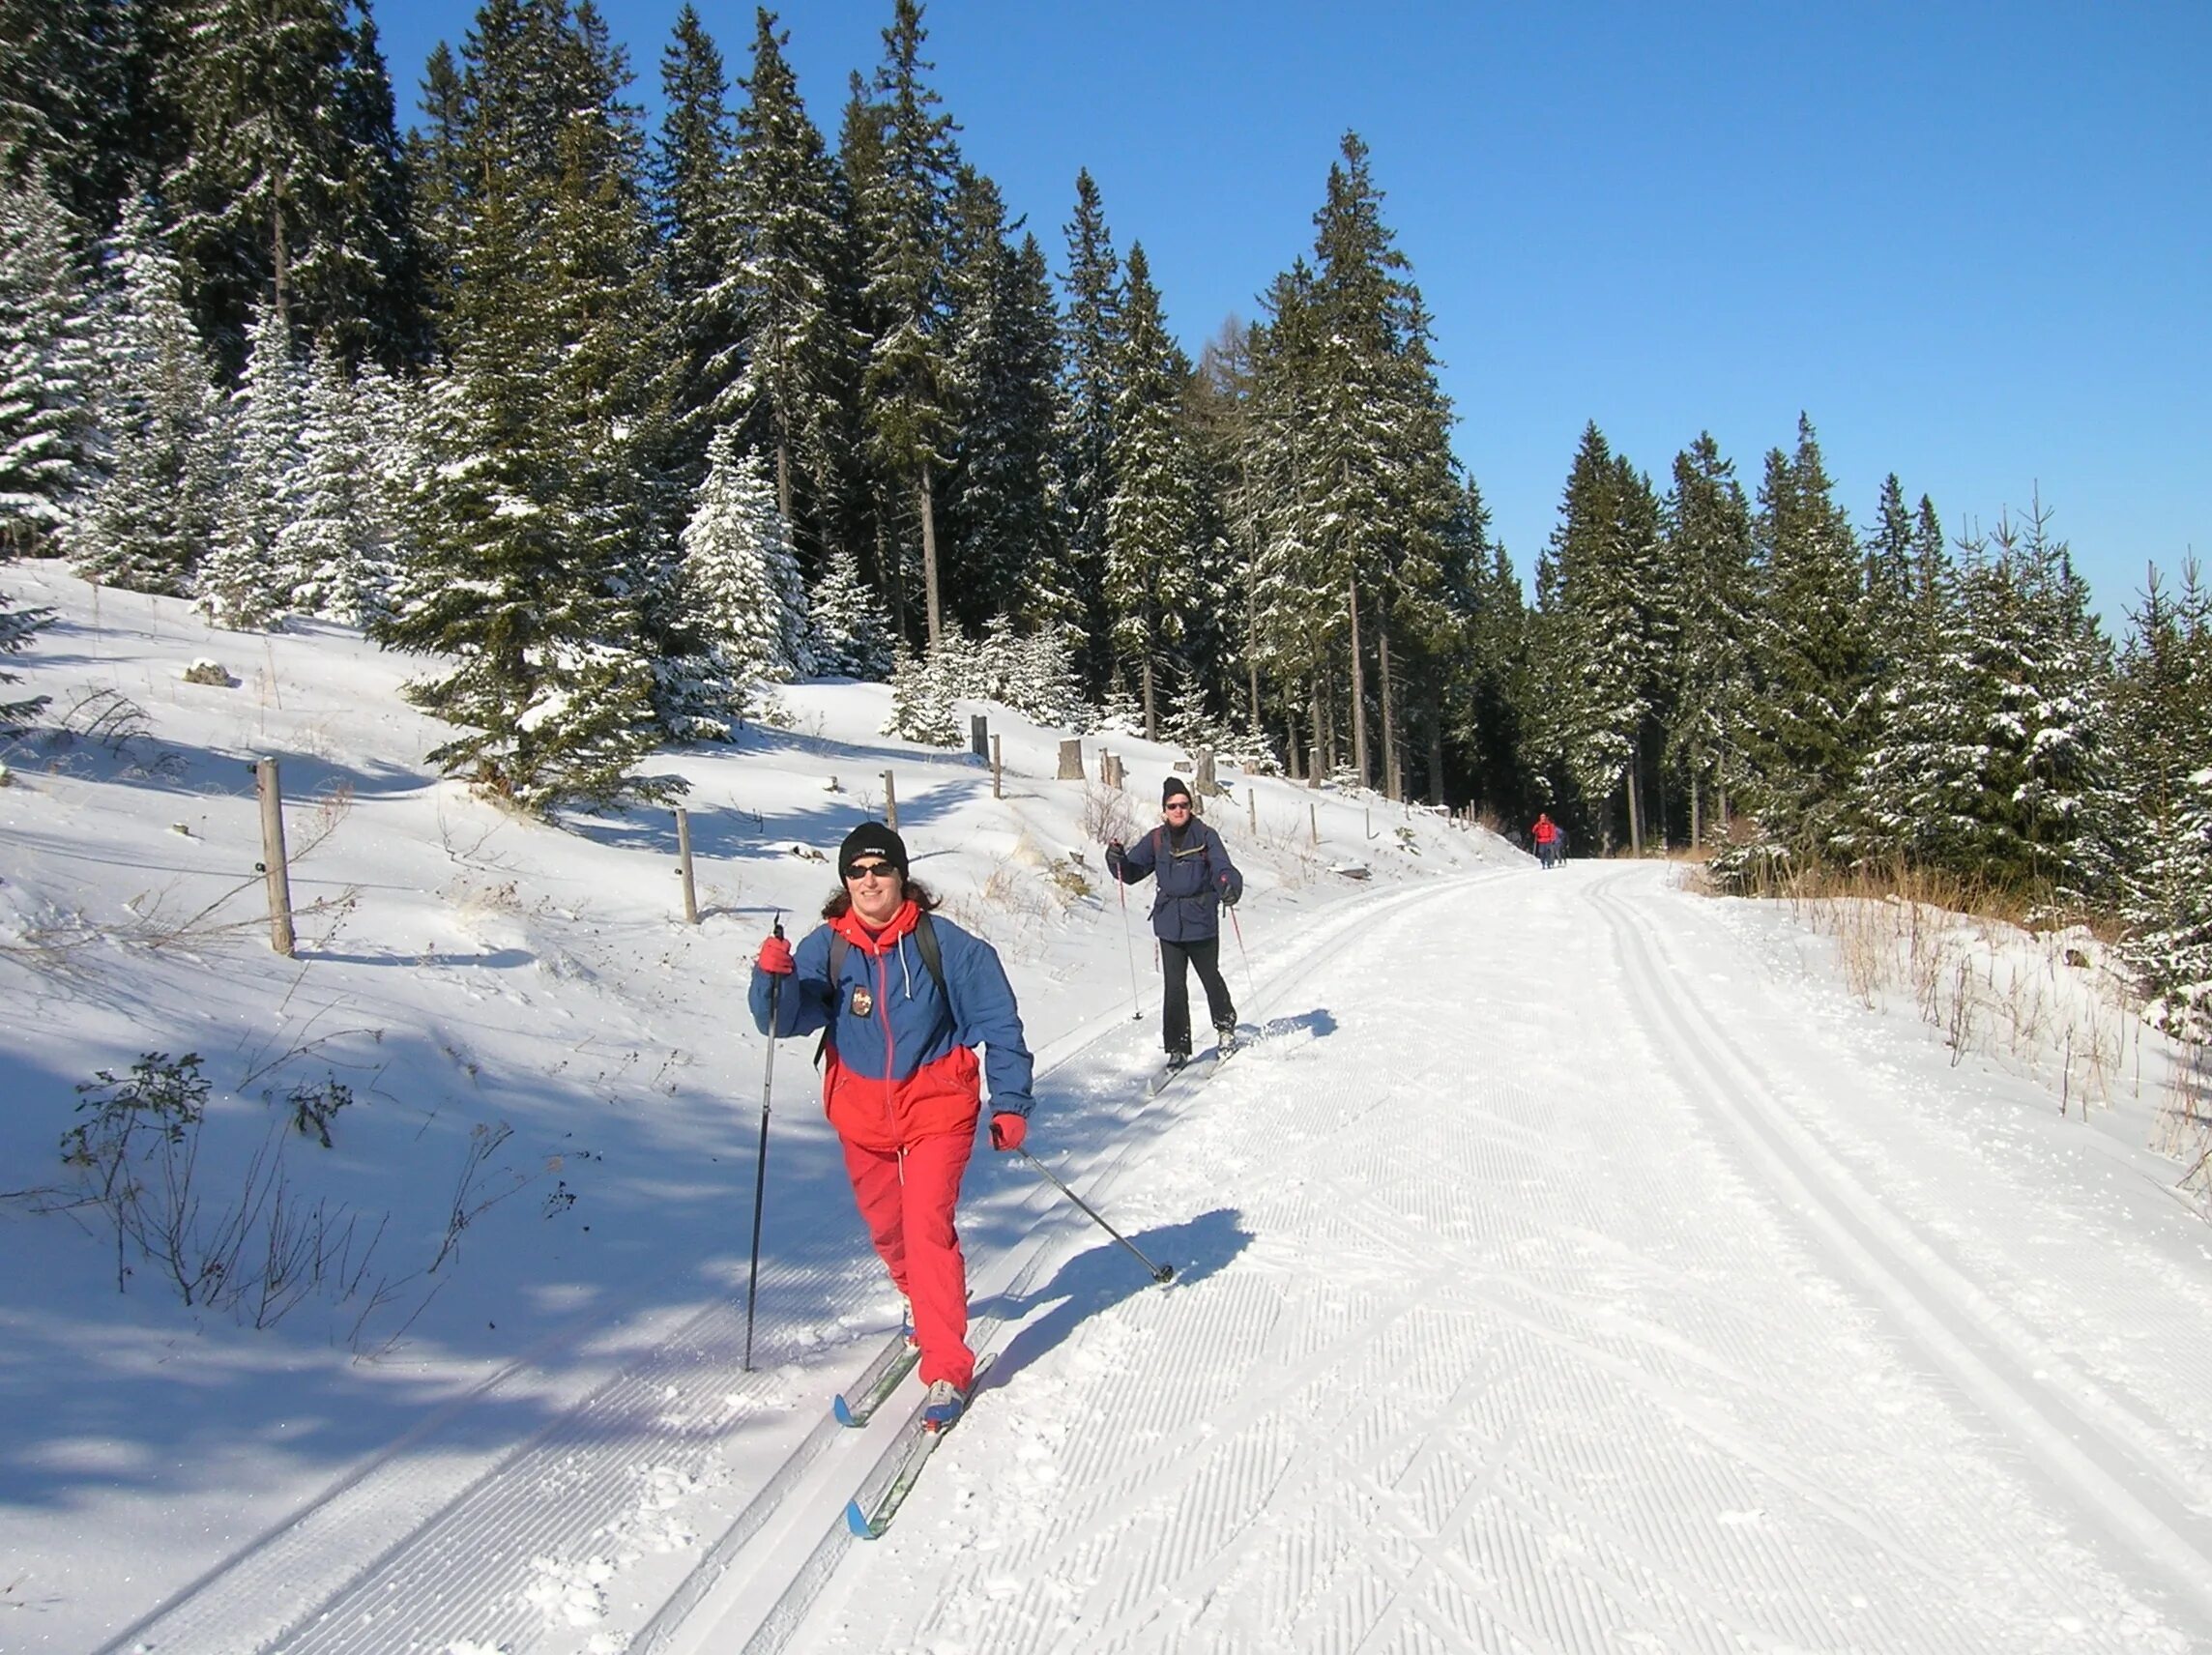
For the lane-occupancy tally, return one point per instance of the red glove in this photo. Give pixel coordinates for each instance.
(1008, 1129)
(775, 957)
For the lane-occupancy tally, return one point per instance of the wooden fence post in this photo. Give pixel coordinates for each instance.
(1071, 759)
(272, 864)
(891, 803)
(1252, 807)
(998, 766)
(684, 865)
(1313, 819)
(979, 735)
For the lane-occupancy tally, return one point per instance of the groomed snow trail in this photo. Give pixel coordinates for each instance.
(1552, 1282)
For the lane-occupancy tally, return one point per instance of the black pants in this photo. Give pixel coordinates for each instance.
(1205, 953)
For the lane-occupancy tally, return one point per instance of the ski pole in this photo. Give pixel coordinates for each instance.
(1238, 925)
(1160, 1273)
(1128, 947)
(760, 1160)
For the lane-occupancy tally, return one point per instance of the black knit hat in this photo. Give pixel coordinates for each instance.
(1172, 788)
(871, 839)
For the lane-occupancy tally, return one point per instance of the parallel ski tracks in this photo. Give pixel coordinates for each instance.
(2128, 1475)
(1503, 1451)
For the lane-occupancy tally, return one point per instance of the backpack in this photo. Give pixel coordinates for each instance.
(924, 941)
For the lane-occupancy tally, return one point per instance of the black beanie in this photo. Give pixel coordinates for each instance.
(1172, 788)
(871, 839)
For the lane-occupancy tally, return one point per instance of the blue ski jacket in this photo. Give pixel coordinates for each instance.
(1194, 875)
(899, 1059)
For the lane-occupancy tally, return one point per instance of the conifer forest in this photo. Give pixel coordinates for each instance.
(612, 424)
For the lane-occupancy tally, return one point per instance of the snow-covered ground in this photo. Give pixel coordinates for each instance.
(1570, 1263)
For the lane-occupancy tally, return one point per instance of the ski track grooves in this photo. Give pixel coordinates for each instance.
(457, 1565)
(1950, 1321)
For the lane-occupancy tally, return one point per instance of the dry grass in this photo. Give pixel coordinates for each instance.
(2037, 999)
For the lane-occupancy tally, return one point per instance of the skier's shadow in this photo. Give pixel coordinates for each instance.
(1103, 1276)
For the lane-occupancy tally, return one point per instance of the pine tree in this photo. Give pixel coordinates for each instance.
(18, 627)
(1813, 659)
(147, 523)
(548, 572)
(1094, 335)
(46, 369)
(1708, 546)
(740, 578)
(289, 189)
(64, 102)
(253, 576)
(1290, 595)
(345, 540)
(802, 354)
(921, 710)
(1005, 493)
(905, 214)
(1152, 518)
(694, 191)
(850, 636)
(2163, 824)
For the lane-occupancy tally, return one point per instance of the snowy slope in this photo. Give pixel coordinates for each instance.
(1570, 1263)
(554, 1084)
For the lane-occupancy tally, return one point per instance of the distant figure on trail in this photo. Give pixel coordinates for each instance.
(905, 996)
(1196, 881)
(1549, 839)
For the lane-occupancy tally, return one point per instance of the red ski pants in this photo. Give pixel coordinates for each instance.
(906, 1197)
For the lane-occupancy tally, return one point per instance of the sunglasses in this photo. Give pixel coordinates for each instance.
(1178, 804)
(871, 870)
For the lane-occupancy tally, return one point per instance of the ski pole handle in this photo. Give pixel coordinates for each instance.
(1159, 1272)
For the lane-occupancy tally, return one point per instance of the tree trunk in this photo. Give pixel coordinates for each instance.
(1635, 813)
(1393, 771)
(783, 477)
(1291, 755)
(1436, 748)
(1697, 818)
(277, 261)
(929, 563)
(1151, 711)
(1358, 684)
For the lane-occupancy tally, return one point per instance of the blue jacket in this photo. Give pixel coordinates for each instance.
(1194, 874)
(899, 1063)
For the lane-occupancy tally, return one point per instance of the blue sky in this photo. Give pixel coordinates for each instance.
(1972, 241)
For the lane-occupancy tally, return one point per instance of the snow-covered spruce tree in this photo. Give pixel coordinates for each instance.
(742, 595)
(694, 200)
(289, 189)
(1003, 489)
(1707, 542)
(2162, 823)
(1811, 655)
(802, 354)
(905, 219)
(1290, 597)
(920, 710)
(158, 427)
(1383, 469)
(1045, 687)
(1093, 336)
(1918, 794)
(851, 634)
(46, 369)
(1152, 518)
(254, 571)
(65, 101)
(343, 541)
(1605, 652)
(543, 555)
(18, 627)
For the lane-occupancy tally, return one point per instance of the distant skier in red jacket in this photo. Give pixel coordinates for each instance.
(1545, 833)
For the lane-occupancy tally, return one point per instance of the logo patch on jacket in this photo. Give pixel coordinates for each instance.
(863, 1002)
